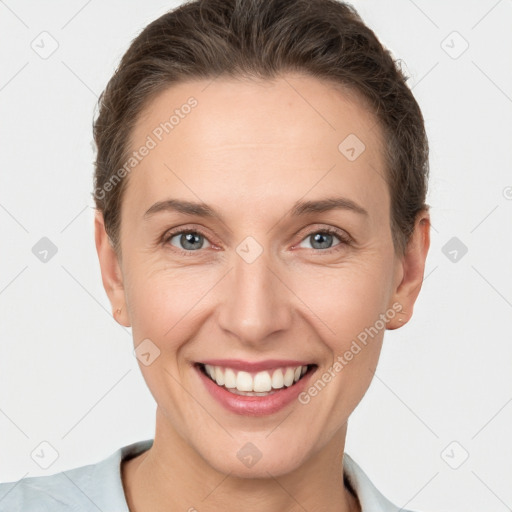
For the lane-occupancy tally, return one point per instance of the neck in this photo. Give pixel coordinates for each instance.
(171, 475)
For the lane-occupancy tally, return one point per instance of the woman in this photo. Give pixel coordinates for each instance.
(260, 188)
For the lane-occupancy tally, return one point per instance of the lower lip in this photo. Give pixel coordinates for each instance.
(254, 405)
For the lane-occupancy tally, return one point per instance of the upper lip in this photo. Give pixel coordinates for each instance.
(255, 366)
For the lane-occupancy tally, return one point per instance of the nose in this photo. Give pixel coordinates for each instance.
(256, 303)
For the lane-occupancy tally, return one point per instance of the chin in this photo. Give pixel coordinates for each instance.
(255, 459)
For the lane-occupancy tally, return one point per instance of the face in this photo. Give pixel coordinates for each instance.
(256, 246)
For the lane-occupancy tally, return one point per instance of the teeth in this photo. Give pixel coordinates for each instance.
(210, 371)
(229, 378)
(288, 376)
(243, 381)
(262, 383)
(219, 376)
(277, 379)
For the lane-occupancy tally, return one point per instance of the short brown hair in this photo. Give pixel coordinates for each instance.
(326, 39)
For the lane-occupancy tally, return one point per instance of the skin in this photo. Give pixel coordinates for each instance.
(250, 150)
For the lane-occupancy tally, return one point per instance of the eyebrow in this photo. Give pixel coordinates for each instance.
(300, 208)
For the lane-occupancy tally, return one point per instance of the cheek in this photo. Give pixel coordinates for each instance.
(344, 300)
(163, 301)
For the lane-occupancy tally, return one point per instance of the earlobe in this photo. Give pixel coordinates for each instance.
(411, 268)
(111, 274)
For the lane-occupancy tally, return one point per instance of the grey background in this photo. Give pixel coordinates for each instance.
(443, 388)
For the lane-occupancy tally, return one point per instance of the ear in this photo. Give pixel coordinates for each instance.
(111, 273)
(410, 271)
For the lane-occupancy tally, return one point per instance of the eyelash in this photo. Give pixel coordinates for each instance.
(342, 237)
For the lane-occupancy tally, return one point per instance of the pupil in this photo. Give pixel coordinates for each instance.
(324, 239)
(188, 240)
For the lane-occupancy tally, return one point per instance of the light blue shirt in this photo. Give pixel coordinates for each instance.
(98, 487)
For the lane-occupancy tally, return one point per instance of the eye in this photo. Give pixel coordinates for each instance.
(187, 240)
(323, 239)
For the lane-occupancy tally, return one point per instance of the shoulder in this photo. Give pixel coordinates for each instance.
(57, 492)
(370, 498)
(86, 488)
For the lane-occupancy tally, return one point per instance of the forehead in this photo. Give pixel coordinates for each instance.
(266, 140)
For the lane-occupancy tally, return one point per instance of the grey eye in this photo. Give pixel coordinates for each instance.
(321, 240)
(188, 240)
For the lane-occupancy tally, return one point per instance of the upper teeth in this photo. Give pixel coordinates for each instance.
(260, 382)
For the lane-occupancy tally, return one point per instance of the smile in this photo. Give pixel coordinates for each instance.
(254, 388)
(261, 383)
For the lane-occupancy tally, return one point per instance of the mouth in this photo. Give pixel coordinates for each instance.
(255, 383)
